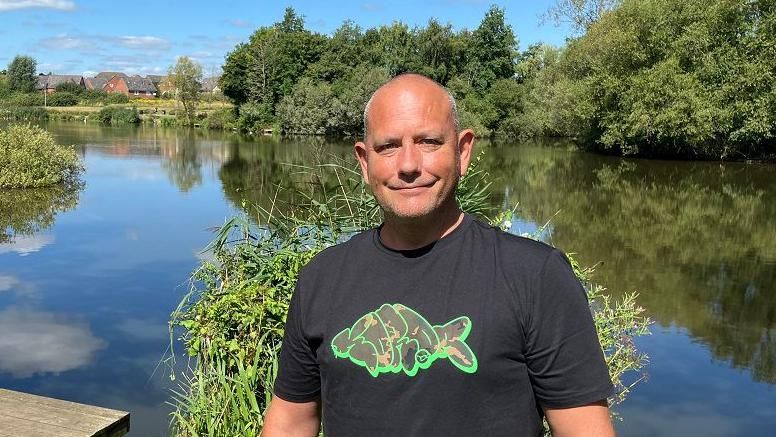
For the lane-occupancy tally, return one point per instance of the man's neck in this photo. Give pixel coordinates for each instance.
(411, 234)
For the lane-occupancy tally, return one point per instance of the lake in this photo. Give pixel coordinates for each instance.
(88, 279)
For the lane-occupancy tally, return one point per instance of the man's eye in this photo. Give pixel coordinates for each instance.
(385, 147)
(433, 141)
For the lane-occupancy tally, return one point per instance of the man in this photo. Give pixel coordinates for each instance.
(435, 323)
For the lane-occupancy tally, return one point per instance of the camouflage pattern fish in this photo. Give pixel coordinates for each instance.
(395, 338)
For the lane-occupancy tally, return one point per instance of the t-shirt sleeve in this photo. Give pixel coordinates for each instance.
(298, 377)
(564, 358)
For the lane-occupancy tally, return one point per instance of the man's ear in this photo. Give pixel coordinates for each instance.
(360, 152)
(465, 145)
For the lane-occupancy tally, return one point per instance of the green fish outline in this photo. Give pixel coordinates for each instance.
(396, 338)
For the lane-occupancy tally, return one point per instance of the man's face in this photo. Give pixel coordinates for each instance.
(413, 157)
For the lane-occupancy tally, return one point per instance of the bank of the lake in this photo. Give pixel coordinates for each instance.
(98, 276)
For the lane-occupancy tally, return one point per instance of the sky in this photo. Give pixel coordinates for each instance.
(145, 37)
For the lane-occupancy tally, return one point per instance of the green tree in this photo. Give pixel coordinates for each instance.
(233, 81)
(581, 14)
(186, 77)
(21, 75)
(492, 50)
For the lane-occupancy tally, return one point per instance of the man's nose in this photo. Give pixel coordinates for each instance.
(410, 160)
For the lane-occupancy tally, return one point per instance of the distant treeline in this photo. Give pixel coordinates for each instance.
(691, 78)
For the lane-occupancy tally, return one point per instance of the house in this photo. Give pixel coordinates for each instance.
(131, 86)
(210, 85)
(162, 83)
(49, 82)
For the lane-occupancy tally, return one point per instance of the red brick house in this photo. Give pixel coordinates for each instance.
(131, 86)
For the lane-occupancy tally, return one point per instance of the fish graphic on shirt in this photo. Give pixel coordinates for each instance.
(395, 338)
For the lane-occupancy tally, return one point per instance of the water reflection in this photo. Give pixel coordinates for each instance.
(42, 342)
(26, 212)
(698, 240)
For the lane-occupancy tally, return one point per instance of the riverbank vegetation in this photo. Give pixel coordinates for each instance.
(700, 84)
(232, 320)
(30, 158)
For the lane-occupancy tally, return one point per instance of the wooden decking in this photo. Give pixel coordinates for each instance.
(26, 415)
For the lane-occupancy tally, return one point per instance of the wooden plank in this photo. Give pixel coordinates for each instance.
(23, 415)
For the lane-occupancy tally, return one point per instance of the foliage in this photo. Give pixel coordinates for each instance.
(24, 113)
(118, 115)
(21, 75)
(221, 119)
(23, 100)
(70, 87)
(701, 84)
(116, 99)
(233, 318)
(62, 98)
(581, 14)
(311, 109)
(254, 117)
(29, 158)
(186, 77)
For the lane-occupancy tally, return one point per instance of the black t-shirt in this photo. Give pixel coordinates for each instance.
(471, 335)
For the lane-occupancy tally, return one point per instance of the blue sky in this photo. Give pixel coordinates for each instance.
(145, 37)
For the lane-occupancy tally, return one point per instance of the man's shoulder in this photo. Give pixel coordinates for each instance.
(513, 249)
(336, 254)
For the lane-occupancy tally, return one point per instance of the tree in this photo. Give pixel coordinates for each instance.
(492, 50)
(580, 13)
(21, 74)
(186, 78)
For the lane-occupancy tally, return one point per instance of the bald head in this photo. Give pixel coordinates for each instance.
(412, 82)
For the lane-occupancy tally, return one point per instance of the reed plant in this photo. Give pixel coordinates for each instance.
(231, 322)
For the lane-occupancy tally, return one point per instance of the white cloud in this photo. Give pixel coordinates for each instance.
(27, 244)
(144, 42)
(67, 42)
(39, 342)
(64, 5)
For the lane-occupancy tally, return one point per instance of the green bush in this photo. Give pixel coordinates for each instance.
(221, 119)
(92, 97)
(116, 98)
(24, 114)
(70, 87)
(26, 99)
(118, 115)
(62, 98)
(29, 158)
(254, 117)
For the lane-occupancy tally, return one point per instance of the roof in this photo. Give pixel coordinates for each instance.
(155, 78)
(140, 84)
(52, 80)
(209, 84)
(95, 83)
(108, 75)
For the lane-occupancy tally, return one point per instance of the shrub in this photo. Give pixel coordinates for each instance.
(29, 158)
(62, 98)
(221, 119)
(70, 87)
(254, 117)
(118, 115)
(94, 96)
(25, 114)
(28, 99)
(116, 98)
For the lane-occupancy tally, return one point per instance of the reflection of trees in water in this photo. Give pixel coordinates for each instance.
(696, 239)
(27, 211)
(261, 172)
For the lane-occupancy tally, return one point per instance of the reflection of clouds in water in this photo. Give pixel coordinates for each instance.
(27, 244)
(39, 342)
(13, 284)
(144, 329)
